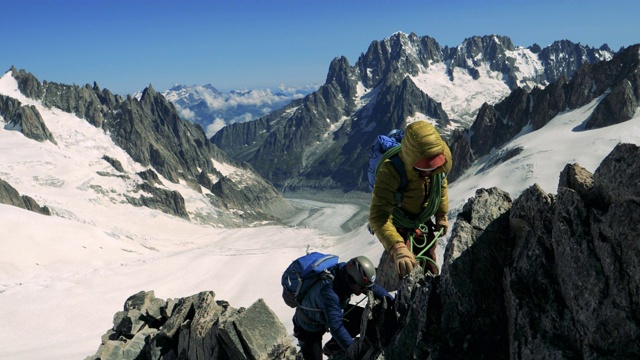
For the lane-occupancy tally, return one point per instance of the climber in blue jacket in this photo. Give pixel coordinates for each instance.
(324, 307)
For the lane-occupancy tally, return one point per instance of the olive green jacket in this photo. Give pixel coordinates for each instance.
(421, 140)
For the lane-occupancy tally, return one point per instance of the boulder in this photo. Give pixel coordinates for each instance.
(196, 327)
(10, 196)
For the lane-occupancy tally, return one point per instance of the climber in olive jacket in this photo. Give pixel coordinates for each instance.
(423, 154)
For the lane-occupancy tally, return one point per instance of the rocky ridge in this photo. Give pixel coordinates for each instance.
(10, 196)
(616, 82)
(323, 140)
(152, 133)
(195, 327)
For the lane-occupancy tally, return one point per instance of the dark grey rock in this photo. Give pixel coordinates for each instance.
(263, 336)
(150, 176)
(461, 153)
(28, 84)
(167, 201)
(616, 179)
(26, 119)
(114, 162)
(197, 327)
(577, 178)
(10, 196)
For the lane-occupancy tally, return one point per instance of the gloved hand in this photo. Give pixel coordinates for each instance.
(442, 223)
(331, 348)
(353, 352)
(403, 258)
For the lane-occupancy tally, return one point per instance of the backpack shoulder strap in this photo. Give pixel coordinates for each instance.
(325, 275)
(393, 155)
(399, 166)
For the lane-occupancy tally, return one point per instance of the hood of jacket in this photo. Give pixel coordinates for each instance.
(421, 140)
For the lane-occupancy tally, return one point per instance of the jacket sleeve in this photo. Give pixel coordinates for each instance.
(333, 314)
(382, 203)
(379, 292)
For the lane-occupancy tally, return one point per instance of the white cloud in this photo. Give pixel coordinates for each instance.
(186, 113)
(215, 126)
(242, 118)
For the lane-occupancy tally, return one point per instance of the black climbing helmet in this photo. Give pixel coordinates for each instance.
(361, 271)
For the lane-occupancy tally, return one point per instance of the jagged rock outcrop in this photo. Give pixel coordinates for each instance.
(193, 328)
(10, 196)
(322, 141)
(168, 201)
(475, 51)
(24, 118)
(563, 58)
(152, 133)
(617, 81)
(542, 276)
(150, 176)
(114, 162)
(461, 147)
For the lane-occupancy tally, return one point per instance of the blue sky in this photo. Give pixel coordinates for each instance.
(126, 45)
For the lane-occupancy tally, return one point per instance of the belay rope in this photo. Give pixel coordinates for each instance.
(400, 220)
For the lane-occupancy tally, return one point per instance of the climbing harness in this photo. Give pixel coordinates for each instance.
(422, 232)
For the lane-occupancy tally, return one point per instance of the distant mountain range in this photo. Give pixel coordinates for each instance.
(213, 109)
(479, 94)
(322, 141)
(134, 151)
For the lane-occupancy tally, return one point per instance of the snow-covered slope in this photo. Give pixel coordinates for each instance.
(544, 154)
(463, 96)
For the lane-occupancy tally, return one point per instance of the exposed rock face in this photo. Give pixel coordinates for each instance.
(621, 102)
(573, 56)
(323, 140)
(24, 118)
(153, 134)
(114, 162)
(196, 327)
(9, 195)
(543, 276)
(167, 201)
(616, 80)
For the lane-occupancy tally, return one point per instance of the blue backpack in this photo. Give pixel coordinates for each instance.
(303, 272)
(387, 147)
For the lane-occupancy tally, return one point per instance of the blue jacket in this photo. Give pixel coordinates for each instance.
(324, 304)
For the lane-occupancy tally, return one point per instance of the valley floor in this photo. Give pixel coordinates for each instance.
(333, 212)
